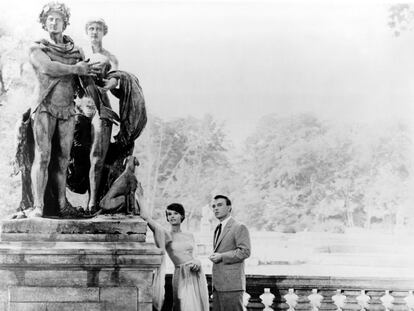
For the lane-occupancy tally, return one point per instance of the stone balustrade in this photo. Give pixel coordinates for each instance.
(301, 293)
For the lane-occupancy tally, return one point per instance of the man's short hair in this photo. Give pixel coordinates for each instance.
(97, 21)
(220, 196)
(58, 7)
(176, 207)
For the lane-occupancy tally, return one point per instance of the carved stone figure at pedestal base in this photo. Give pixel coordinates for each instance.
(122, 191)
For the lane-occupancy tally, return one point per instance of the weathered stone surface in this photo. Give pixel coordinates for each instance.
(55, 294)
(145, 307)
(9, 277)
(119, 298)
(17, 306)
(77, 265)
(74, 306)
(78, 255)
(4, 295)
(132, 237)
(127, 277)
(104, 228)
(71, 278)
(65, 306)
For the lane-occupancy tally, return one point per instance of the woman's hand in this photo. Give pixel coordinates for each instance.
(195, 265)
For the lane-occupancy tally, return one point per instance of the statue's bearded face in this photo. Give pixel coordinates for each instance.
(54, 23)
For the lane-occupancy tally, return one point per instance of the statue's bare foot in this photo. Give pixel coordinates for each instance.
(91, 210)
(34, 212)
(18, 215)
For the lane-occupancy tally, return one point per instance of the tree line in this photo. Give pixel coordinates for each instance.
(292, 173)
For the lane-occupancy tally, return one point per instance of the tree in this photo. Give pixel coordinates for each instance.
(304, 172)
(400, 18)
(183, 160)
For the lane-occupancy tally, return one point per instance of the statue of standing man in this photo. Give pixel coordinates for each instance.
(57, 63)
(96, 29)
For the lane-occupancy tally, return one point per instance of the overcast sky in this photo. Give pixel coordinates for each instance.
(240, 60)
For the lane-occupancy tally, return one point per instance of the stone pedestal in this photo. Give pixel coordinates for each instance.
(96, 264)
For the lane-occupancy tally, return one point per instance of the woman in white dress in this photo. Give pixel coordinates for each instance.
(189, 282)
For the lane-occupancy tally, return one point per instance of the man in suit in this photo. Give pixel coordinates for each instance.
(231, 248)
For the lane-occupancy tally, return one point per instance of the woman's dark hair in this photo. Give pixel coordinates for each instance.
(177, 207)
(228, 202)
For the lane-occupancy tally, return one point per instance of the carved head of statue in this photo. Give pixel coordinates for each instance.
(54, 7)
(98, 24)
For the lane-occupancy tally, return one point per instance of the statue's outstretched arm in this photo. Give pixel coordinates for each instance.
(45, 65)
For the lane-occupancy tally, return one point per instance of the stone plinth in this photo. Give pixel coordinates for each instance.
(101, 228)
(99, 264)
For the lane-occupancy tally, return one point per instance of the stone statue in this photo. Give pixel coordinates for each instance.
(57, 63)
(62, 145)
(106, 160)
(122, 191)
(96, 29)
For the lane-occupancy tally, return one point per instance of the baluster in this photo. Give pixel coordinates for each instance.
(327, 303)
(315, 300)
(339, 300)
(291, 299)
(399, 303)
(279, 302)
(375, 303)
(255, 302)
(409, 300)
(351, 303)
(303, 301)
(362, 300)
(387, 300)
(267, 298)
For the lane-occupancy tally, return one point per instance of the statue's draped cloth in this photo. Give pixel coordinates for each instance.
(133, 118)
(67, 54)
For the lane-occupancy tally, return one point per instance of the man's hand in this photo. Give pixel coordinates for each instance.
(84, 68)
(216, 257)
(110, 84)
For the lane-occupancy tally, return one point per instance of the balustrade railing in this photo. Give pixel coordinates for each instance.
(300, 293)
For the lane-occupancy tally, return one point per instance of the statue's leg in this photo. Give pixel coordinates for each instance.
(66, 130)
(112, 205)
(43, 128)
(101, 137)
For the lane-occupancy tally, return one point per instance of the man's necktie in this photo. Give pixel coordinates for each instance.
(217, 234)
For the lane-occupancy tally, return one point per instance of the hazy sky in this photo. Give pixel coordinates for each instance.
(240, 60)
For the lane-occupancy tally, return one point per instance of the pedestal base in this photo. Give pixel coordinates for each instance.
(66, 274)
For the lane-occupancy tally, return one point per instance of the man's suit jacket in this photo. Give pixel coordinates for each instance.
(234, 245)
